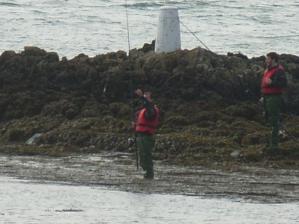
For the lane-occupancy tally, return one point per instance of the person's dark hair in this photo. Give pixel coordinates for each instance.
(273, 56)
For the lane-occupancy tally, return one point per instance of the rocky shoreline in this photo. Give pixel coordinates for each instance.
(210, 114)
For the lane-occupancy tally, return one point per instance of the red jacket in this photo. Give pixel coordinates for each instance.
(268, 89)
(147, 126)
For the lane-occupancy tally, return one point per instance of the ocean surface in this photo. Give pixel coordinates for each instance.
(71, 27)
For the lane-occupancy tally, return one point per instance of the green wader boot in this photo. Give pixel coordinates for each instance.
(273, 106)
(145, 144)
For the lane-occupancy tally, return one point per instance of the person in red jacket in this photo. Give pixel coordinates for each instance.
(145, 125)
(273, 85)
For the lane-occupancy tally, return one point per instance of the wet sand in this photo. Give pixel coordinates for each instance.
(118, 172)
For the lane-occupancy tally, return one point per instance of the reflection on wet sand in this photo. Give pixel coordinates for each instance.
(32, 202)
(118, 172)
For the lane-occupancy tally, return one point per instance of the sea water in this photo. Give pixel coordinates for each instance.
(92, 27)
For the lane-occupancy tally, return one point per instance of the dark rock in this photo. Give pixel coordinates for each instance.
(148, 47)
(52, 57)
(33, 51)
(6, 55)
(208, 102)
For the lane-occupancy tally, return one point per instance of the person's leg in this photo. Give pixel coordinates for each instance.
(145, 146)
(149, 157)
(140, 146)
(273, 104)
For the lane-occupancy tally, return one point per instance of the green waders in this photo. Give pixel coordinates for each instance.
(145, 144)
(273, 105)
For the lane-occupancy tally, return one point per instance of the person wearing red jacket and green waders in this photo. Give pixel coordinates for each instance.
(273, 85)
(146, 123)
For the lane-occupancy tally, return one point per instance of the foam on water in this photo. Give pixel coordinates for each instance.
(94, 27)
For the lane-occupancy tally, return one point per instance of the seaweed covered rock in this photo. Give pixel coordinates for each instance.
(208, 102)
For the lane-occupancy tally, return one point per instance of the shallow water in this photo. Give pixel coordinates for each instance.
(98, 26)
(107, 188)
(49, 202)
(118, 172)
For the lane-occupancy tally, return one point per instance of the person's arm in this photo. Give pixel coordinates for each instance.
(279, 79)
(150, 112)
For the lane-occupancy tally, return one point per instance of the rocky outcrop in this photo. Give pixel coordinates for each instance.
(208, 101)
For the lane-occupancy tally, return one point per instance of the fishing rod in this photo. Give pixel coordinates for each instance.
(130, 140)
(195, 35)
(129, 46)
(191, 32)
(128, 30)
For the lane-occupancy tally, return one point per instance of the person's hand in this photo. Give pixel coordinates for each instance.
(268, 81)
(138, 92)
(261, 100)
(147, 95)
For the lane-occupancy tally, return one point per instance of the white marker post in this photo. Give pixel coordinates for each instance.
(169, 34)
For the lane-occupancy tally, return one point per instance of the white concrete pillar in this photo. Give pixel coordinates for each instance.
(169, 34)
